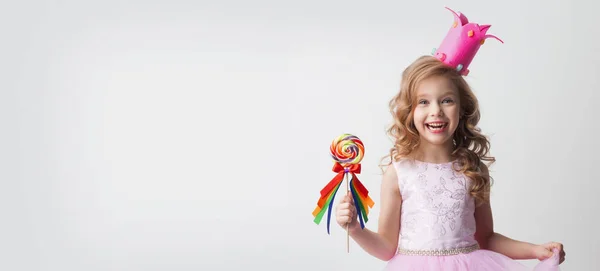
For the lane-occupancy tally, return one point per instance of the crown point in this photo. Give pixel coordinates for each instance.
(470, 33)
(454, 24)
(459, 67)
(482, 42)
(433, 51)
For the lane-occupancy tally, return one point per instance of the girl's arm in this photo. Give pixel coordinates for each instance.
(488, 239)
(383, 243)
(518, 250)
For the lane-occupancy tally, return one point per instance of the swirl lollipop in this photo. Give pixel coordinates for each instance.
(347, 152)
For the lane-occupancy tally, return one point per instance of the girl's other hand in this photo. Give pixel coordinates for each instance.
(546, 251)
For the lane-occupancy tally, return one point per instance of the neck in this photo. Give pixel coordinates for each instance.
(434, 153)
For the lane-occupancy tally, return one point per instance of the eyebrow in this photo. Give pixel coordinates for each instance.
(447, 93)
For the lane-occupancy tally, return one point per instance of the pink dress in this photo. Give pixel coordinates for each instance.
(438, 224)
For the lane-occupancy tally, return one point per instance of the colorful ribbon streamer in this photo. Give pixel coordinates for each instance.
(360, 195)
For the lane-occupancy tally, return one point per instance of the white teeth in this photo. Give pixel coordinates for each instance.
(436, 126)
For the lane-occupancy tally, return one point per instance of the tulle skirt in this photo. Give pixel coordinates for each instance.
(479, 260)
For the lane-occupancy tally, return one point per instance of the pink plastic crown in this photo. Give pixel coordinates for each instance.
(462, 43)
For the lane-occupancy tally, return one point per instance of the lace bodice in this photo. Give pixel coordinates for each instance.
(437, 210)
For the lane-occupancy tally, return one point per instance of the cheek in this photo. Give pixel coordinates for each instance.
(418, 116)
(453, 112)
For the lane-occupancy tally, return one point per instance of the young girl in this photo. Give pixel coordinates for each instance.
(435, 208)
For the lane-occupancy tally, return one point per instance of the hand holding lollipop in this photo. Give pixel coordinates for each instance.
(347, 152)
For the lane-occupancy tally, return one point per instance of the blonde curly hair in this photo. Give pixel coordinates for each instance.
(470, 146)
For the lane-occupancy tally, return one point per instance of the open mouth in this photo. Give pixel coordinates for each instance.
(436, 126)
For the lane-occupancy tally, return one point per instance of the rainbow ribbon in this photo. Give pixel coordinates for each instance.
(359, 193)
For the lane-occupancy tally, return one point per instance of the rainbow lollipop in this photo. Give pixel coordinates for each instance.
(347, 152)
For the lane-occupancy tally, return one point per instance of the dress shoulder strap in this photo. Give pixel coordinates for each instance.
(404, 169)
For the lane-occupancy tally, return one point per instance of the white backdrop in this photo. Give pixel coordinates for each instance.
(146, 135)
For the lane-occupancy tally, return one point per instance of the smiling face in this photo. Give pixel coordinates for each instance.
(436, 110)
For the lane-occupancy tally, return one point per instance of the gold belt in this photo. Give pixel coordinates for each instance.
(439, 252)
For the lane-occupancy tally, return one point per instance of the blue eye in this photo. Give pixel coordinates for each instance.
(448, 101)
(422, 102)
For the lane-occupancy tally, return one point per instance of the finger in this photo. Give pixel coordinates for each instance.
(343, 220)
(557, 245)
(349, 196)
(345, 212)
(551, 246)
(348, 210)
(561, 247)
(345, 206)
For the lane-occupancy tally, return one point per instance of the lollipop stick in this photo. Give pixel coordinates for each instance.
(347, 225)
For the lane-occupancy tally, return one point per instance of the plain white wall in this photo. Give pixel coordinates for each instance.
(186, 135)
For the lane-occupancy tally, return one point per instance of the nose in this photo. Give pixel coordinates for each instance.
(436, 110)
